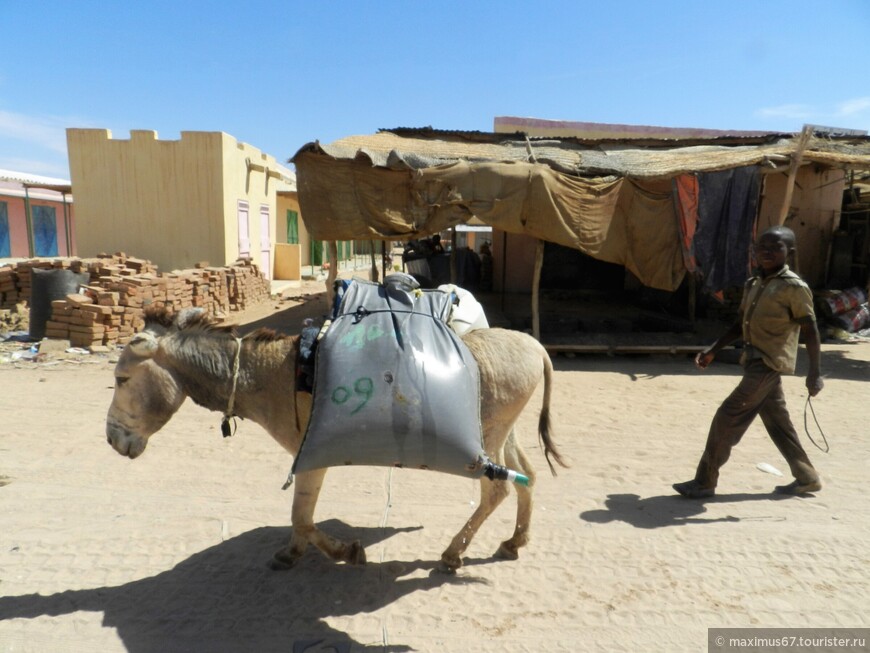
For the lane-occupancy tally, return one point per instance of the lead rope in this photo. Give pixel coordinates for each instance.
(226, 431)
(807, 430)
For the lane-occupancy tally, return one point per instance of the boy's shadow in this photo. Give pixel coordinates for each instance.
(225, 598)
(668, 510)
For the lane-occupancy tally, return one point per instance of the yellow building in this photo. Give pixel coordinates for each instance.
(204, 197)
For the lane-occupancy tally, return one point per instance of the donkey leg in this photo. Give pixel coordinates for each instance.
(517, 460)
(492, 493)
(306, 490)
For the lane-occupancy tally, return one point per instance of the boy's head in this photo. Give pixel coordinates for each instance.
(773, 247)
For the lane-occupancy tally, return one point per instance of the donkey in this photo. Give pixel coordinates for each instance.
(255, 378)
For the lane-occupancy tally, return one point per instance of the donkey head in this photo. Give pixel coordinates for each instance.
(147, 393)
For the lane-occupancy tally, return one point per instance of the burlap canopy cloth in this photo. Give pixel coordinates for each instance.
(394, 385)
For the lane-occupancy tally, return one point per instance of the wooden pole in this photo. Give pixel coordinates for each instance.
(453, 271)
(796, 156)
(503, 268)
(693, 296)
(375, 277)
(536, 291)
(333, 273)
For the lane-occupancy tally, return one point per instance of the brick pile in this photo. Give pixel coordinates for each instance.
(110, 309)
(8, 287)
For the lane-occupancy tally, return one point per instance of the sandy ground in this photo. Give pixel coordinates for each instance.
(169, 552)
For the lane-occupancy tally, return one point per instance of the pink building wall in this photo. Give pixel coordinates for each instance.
(19, 246)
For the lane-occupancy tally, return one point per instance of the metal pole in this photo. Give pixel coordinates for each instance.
(28, 219)
(66, 223)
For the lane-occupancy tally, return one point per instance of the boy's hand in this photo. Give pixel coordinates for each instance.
(814, 384)
(704, 358)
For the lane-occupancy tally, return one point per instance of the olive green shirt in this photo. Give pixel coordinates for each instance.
(770, 311)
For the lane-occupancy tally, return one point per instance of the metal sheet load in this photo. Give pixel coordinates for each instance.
(394, 385)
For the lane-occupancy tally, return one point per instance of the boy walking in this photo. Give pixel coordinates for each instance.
(777, 306)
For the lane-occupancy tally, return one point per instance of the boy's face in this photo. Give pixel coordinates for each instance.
(771, 252)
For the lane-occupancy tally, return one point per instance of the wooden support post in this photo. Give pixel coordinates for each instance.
(536, 291)
(333, 273)
(454, 275)
(693, 296)
(375, 277)
(796, 156)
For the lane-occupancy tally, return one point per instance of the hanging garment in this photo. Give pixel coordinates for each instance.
(686, 207)
(727, 207)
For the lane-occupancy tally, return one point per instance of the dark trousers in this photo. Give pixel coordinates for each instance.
(759, 393)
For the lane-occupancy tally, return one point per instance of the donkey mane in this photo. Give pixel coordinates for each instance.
(200, 321)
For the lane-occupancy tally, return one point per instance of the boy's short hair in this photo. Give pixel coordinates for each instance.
(784, 234)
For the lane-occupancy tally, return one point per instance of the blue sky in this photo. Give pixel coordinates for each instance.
(280, 74)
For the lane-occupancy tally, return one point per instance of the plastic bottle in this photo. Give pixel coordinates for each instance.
(498, 473)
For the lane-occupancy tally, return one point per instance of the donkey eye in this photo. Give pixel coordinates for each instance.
(121, 380)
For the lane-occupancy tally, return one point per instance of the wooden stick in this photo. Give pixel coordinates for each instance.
(796, 157)
(536, 291)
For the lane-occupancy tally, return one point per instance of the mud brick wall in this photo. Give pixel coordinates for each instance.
(110, 309)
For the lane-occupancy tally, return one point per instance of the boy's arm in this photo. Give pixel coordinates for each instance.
(704, 358)
(810, 332)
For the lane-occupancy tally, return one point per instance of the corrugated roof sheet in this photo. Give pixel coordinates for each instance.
(27, 178)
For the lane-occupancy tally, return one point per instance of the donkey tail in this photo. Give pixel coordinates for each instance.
(544, 426)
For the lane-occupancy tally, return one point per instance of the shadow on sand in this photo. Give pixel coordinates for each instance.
(288, 321)
(225, 598)
(670, 510)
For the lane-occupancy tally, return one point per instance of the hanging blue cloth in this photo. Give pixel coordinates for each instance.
(727, 207)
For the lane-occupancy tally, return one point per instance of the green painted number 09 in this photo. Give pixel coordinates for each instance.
(363, 387)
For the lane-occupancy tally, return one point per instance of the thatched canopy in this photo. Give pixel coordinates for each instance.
(611, 199)
(409, 182)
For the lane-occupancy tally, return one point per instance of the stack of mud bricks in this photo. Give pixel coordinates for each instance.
(84, 322)
(8, 288)
(110, 309)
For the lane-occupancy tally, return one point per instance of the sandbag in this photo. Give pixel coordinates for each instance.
(46, 287)
(394, 385)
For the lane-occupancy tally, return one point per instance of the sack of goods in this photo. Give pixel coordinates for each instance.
(854, 320)
(393, 384)
(837, 302)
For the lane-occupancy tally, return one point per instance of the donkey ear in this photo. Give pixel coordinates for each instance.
(143, 344)
(188, 316)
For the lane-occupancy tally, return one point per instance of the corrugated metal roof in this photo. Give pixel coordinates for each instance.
(562, 128)
(27, 178)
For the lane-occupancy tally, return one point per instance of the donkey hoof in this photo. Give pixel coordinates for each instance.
(282, 560)
(449, 564)
(507, 551)
(356, 554)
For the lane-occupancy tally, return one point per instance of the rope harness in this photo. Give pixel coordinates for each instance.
(226, 431)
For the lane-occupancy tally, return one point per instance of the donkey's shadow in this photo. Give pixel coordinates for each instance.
(225, 598)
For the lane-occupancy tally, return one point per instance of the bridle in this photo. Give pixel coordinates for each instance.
(226, 431)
